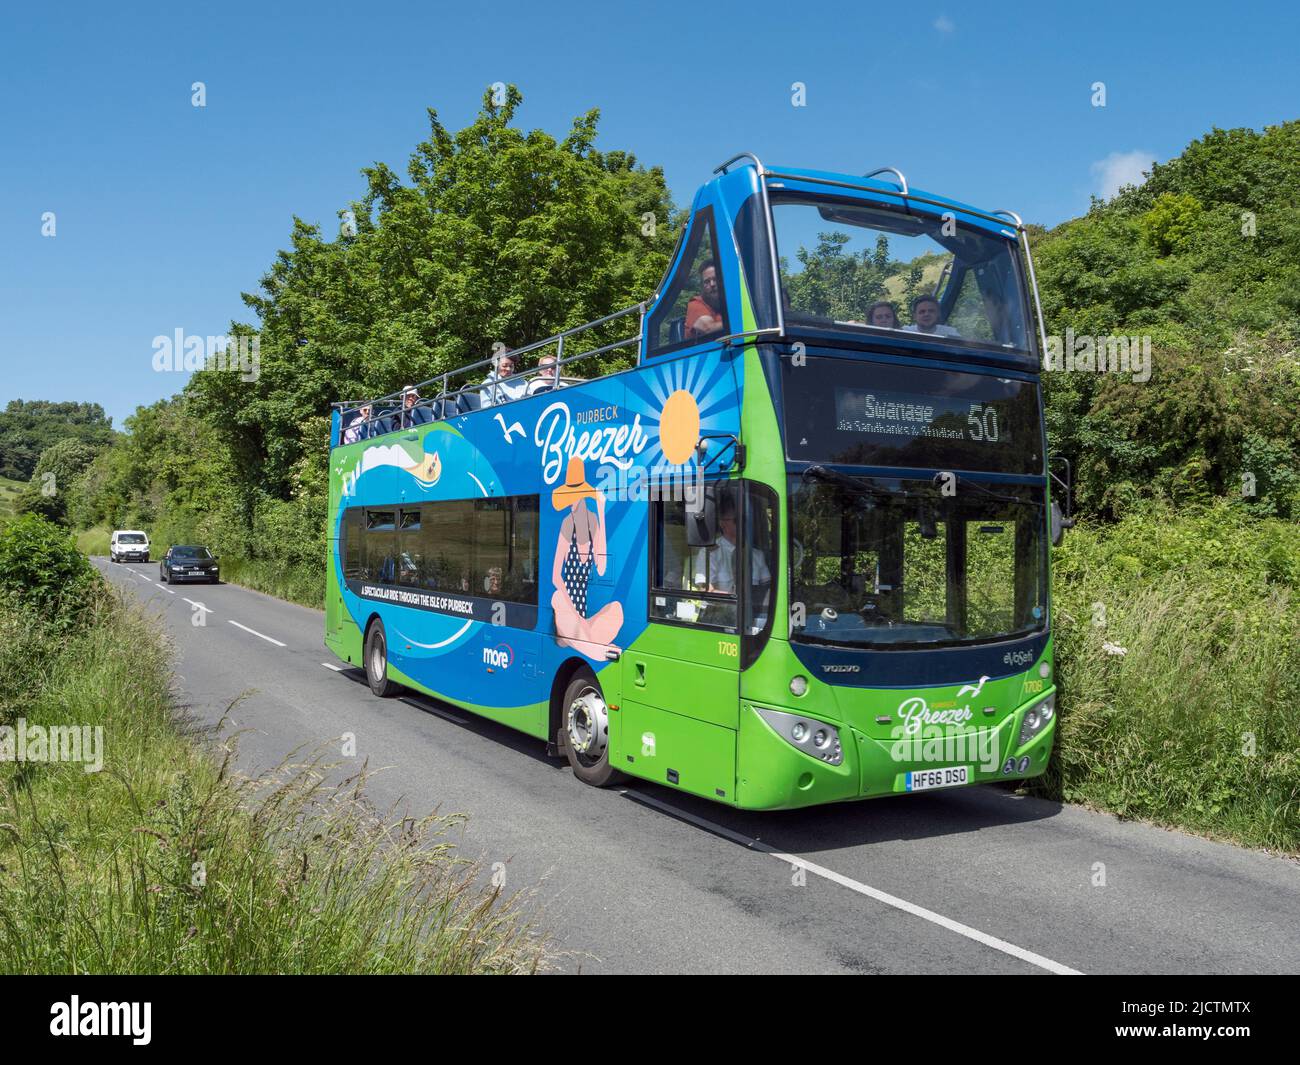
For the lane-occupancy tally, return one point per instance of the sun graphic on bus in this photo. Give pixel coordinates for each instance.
(688, 395)
(679, 426)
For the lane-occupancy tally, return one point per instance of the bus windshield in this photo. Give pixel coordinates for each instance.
(896, 272)
(894, 562)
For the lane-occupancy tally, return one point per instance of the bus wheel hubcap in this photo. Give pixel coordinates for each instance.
(377, 661)
(588, 725)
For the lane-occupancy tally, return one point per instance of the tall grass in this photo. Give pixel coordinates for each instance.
(94, 541)
(9, 491)
(294, 582)
(168, 861)
(1178, 651)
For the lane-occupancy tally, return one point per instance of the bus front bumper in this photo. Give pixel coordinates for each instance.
(772, 774)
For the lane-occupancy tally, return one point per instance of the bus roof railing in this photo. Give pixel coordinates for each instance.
(442, 380)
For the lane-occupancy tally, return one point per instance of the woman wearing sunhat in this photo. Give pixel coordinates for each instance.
(581, 547)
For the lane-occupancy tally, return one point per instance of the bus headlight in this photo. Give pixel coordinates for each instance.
(815, 738)
(798, 685)
(1037, 717)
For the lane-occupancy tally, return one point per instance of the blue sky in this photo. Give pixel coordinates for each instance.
(165, 212)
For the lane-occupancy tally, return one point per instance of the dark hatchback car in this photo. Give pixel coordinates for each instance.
(189, 563)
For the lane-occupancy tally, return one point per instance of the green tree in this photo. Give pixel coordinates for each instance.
(28, 427)
(55, 478)
(501, 235)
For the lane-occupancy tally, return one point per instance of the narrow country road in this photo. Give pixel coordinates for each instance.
(644, 879)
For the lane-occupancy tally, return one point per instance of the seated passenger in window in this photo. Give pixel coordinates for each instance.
(547, 379)
(714, 569)
(883, 315)
(412, 412)
(361, 427)
(704, 312)
(498, 385)
(925, 318)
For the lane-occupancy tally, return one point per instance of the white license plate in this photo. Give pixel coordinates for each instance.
(946, 777)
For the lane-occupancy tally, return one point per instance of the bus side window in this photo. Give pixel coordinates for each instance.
(761, 536)
(381, 546)
(352, 544)
(692, 565)
(693, 307)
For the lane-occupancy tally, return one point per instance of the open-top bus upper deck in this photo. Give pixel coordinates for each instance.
(749, 222)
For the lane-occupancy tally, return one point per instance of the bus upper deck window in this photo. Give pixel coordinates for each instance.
(893, 271)
(693, 308)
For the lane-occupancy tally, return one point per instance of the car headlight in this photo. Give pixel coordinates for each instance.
(1037, 718)
(815, 738)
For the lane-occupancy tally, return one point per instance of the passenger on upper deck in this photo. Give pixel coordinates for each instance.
(412, 413)
(883, 315)
(703, 313)
(546, 380)
(925, 318)
(360, 427)
(498, 386)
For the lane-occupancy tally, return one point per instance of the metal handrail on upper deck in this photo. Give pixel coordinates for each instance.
(499, 399)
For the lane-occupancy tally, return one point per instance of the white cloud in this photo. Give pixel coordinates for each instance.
(944, 24)
(1118, 169)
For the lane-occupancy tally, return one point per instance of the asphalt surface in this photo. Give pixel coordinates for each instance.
(645, 879)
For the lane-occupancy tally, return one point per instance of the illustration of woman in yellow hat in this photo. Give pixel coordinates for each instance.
(581, 547)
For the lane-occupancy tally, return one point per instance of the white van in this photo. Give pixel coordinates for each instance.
(129, 545)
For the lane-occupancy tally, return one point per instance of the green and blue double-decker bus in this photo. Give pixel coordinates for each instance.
(797, 552)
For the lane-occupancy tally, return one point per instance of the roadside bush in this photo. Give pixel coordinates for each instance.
(41, 568)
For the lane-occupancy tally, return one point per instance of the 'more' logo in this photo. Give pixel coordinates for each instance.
(499, 657)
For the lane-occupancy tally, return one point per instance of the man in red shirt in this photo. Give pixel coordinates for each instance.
(703, 313)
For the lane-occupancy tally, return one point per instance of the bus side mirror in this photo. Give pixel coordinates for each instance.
(1059, 523)
(702, 522)
(1061, 520)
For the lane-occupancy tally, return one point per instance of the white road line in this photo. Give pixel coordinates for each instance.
(167, 590)
(863, 889)
(256, 633)
(200, 606)
(330, 665)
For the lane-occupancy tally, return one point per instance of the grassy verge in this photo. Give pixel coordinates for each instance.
(1178, 650)
(166, 861)
(94, 541)
(294, 583)
(9, 490)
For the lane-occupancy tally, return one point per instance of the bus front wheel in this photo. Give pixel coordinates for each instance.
(376, 657)
(585, 728)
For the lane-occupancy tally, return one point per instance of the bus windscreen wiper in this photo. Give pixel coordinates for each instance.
(854, 484)
(997, 497)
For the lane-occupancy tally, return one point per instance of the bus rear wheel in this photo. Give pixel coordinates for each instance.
(584, 725)
(375, 653)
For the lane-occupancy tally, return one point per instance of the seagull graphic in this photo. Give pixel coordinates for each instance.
(972, 689)
(511, 430)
